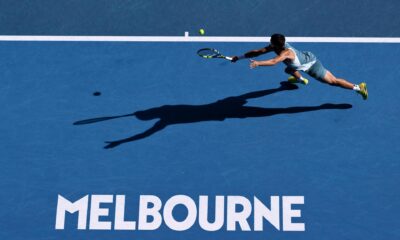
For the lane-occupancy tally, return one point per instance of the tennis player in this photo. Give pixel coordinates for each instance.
(297, 61)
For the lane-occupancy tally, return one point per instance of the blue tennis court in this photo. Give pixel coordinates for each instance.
(228, 130)
(195, 127)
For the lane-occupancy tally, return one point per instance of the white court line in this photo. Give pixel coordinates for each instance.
(188, 38)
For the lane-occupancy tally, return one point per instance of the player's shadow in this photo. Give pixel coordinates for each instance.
(231, 107)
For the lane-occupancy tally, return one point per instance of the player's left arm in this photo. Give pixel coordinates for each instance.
(271, 62)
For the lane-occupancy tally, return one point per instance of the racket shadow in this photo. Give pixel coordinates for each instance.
(230, 107)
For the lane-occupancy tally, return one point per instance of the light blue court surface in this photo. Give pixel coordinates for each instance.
(224, 130)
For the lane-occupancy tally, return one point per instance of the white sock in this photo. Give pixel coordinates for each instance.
(356, 88)
(301, 79)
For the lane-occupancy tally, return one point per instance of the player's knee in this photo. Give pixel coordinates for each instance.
(335, 82)
(288, 71)
(331, 81)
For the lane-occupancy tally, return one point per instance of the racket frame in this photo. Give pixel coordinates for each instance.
(216, 55)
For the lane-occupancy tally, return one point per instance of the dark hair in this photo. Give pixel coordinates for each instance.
(278, 40)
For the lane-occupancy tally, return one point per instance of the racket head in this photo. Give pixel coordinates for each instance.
(208, 53)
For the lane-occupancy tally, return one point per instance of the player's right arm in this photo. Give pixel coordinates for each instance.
(253, 53)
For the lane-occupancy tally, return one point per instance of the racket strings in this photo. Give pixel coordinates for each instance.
(208, 52)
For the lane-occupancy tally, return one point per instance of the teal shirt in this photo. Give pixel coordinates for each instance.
(303, 59)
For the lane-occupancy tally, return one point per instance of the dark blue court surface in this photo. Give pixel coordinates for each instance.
(316, 18)
(197, 127)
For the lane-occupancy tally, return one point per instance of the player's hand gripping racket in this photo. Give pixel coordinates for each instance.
(211, 53)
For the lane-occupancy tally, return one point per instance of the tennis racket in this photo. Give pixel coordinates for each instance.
(211, 53)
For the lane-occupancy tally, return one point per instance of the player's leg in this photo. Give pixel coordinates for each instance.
(334, 81)
(340, 82)
(295, 76)
(318, 71)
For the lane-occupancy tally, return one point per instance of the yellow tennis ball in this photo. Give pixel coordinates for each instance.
(202, 32)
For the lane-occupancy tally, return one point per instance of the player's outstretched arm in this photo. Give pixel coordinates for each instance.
(271, 62)
(253, 53)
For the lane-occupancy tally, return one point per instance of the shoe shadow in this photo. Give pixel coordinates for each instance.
(231, 107)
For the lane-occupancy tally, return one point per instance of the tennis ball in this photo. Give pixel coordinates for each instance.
(202, 32)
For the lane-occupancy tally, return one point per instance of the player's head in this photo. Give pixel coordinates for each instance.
(277, 41)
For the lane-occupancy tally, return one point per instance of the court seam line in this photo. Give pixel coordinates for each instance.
(188, 38)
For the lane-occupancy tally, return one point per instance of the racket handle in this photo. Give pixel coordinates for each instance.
(228, 58)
